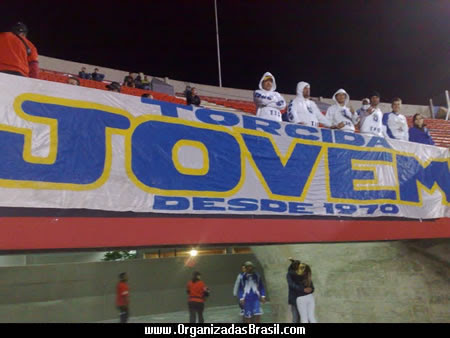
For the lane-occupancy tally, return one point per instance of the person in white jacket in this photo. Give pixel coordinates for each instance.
(365, 104)
(269, 103)
(373, 123)
(339, 114)
(304, 111)
(396, 124)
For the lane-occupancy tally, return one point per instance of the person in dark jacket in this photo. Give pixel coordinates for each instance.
(83, 74)
(114, 87)
(138, 80)
(418, 133)
(305, 301)
(293, 289)
(192, 98)
(97, 76)
(128, 80)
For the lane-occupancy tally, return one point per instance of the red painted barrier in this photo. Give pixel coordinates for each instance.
(47, 233)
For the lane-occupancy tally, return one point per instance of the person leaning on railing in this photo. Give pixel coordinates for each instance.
(419, 133)
(18, 55)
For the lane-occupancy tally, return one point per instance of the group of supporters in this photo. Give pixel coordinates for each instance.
(19, 56)
(369, 118)
(96, 75)
(139, 81)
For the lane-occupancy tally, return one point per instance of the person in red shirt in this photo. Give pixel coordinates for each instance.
(18, 56)
(122, 299)
(197, 291)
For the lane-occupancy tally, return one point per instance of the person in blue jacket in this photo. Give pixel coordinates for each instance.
(418, 133)
(251, 294)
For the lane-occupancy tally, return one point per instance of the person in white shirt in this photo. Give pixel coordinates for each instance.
(362, 112)
(373, 124)
(339, 114)
(269, 103)
(396, 124)
(304, 111)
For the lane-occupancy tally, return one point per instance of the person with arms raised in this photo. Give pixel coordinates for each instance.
(372, 123)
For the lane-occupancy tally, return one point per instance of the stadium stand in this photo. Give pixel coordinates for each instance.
(439, 129)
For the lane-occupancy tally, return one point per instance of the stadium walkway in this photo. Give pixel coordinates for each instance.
(219, 314)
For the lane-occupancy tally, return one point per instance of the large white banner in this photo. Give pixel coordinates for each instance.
(64, 147)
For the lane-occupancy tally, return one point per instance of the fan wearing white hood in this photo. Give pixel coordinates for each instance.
(267, 100)
(304, 111)
(339, 114)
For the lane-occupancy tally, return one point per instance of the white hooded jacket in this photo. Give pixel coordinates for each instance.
(269, 103)
(337, 113)
(305, 111)
(373, 124)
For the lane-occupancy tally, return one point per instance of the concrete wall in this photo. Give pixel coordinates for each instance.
(85, 292)
(404, 281)
(13, 260)
(51, 258)
(207, 90)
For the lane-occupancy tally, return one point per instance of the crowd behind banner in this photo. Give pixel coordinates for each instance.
(369, 119)
(20, 57)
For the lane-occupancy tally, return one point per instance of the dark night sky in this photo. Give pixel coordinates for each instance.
(400, 48)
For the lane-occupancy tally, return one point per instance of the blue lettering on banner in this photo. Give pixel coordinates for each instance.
(433, 176)
(327, 136)
(154, 167)
(293, 130)
(248, 205)
(80, 145)
(226, 119)
(243, 204)
(350, 138)
(255, 123)
(341, 175)
(299, 208)
(272, 205)
(170, 203)
(287, 178)
(378, 141)
(205, 203)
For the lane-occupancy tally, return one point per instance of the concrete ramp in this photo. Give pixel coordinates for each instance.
(404, 281)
